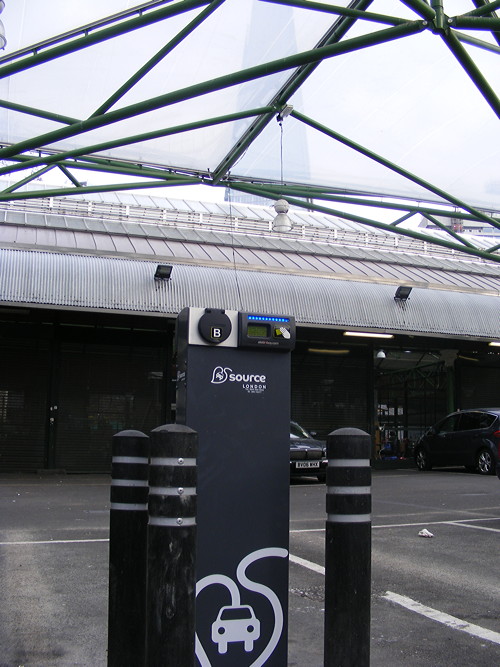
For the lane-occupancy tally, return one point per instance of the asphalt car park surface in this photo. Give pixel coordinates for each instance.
(435, 601)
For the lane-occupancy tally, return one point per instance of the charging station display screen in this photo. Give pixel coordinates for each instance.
(257, 331)
(266, 331)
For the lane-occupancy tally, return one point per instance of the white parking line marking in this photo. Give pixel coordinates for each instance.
(441, 617)
(466, 525)
(28, 542)
(307, 563)
(458, 522)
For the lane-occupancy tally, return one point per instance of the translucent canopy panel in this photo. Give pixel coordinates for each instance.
(373, 98)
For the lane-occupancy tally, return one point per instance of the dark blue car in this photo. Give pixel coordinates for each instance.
(469, 438)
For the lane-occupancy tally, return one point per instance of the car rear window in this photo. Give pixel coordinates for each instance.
(474, 420)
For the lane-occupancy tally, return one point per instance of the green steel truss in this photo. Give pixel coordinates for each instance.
(32, 153)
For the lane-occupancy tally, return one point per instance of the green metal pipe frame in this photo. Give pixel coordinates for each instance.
(83, 30)
(393, 167)
(341, 11)
(336, 32)
(476, 19)
(213, 85)
(30, 163)
(99, 36)
(483, 9)
(412, 209)
(162, 53)
(262, 192)
(472, 70)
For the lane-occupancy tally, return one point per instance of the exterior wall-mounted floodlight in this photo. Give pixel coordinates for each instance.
(402, 293)
(163, 272)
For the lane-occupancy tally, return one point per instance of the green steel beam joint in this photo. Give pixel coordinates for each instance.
(440, 23)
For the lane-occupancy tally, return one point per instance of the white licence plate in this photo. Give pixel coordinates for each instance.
(307, 464)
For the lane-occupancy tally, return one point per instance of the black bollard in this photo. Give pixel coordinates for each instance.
(127, 549)
(348, 549)
(171, 578)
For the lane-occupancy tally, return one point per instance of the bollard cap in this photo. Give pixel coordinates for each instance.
(349, 431)
(130, 434)
(173, 428)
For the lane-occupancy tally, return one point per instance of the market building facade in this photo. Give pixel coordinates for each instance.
(87, 326)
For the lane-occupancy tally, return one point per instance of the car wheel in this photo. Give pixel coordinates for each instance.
(485, 463)
(422, 459)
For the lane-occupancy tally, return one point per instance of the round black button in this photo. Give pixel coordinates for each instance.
(214, 326)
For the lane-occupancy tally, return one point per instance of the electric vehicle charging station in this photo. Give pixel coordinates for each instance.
(233, 388)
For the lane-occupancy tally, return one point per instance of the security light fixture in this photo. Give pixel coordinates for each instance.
(402, 293)
(368, 334)
(286, 111)
(380, 354)
(163, 272)
(281, 222)
(495, 343)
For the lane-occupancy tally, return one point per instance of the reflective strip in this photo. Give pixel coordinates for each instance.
(349, 518)
(348, 490)
(172, 523)
(129, 482)
(129, 506)
(172, 461)
(130, 459)
(172, 491)
(349, 463)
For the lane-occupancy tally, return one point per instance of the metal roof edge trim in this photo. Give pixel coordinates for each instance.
(209, 263)
(127, 285)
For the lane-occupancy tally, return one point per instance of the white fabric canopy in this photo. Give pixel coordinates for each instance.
(408, 100)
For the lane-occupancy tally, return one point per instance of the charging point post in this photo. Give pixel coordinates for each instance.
(233, 389)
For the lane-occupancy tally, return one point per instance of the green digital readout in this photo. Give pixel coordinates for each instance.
(257, 331)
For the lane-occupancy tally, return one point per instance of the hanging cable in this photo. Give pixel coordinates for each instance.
(233, 231)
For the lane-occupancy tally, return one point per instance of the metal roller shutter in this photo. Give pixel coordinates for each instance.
(329, 392)
(104, 389)
(23, 404)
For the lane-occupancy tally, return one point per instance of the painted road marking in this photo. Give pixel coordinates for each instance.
(458, 522)
(441, 617)
(307, 563)
(29, 542)
(412, 605)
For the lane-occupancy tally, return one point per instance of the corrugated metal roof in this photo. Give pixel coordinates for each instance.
(123, 285)
(203, 246)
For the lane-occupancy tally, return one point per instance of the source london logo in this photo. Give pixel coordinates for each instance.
(253, 383)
